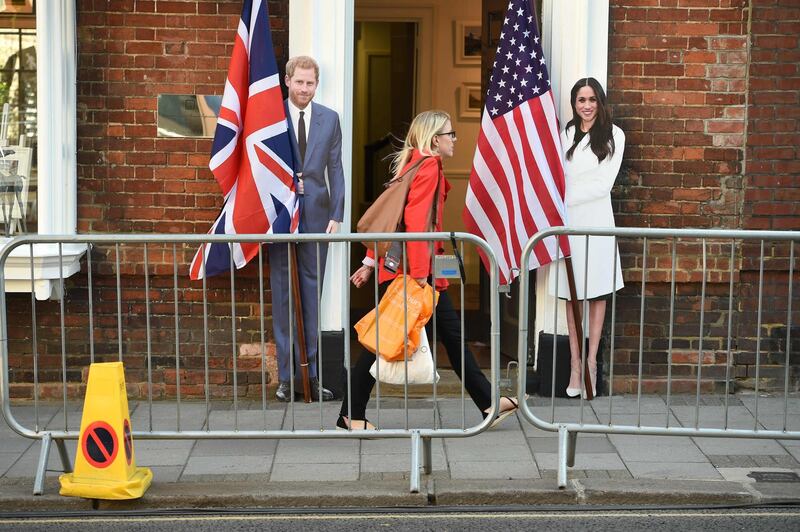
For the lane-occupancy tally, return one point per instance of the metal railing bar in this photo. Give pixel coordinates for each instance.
(35, 346)
(462, 354)
(641, 335)
(758, 333)
(91, 302)
(319, 337)
(290, 321)
(62, 313)
(119, 302)
(701, 335)
(788, 338)
(206, 385)
(147, 335)
(730, 329)
(673, 270)
(233, 340)
(585, 346)
(177, 337)
(405, 331)
(376, 275)
(555, 335)
(613, 335)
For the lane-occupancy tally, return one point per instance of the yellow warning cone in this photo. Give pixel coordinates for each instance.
(105, 464)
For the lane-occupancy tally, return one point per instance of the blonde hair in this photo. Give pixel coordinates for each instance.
(420, 135)
(301, 61)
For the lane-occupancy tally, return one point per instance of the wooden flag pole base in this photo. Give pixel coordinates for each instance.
(576, 316)
(301, 335)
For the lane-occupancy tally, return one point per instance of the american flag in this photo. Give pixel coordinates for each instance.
(251, 156)
(516, 187)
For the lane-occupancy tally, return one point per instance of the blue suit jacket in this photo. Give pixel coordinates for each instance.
(323, 152)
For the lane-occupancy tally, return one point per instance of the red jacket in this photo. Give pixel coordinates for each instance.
(416, 216)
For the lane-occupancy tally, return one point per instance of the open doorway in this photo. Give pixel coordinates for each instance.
(407, 58)
(383, 102)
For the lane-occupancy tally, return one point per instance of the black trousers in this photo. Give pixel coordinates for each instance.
(448, 331)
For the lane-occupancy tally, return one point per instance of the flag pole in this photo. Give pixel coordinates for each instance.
(301, 335)
(573, 307)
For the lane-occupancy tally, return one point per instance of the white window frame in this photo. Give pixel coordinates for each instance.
(56, 111)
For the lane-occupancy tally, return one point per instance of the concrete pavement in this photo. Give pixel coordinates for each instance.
(513, 463)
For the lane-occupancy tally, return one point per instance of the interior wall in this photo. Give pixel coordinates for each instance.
(374, 40)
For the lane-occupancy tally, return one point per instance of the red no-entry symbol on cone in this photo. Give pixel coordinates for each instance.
(99, 444)
(128, 441)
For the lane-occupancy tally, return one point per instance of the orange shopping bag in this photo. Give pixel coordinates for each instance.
(391, 323)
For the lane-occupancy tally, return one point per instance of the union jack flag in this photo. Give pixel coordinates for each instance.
(251, 156)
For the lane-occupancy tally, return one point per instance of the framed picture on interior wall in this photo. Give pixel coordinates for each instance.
(16, 7)
(467, 42)
(469, 101)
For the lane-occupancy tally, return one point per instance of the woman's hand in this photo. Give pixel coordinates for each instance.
(361, 276)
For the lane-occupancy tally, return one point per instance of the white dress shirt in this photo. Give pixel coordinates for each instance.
(294, 116)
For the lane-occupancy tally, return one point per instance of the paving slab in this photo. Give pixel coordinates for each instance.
(662, 492)
(337, 451)
(584, 445)
(477, 470)
(166, 473)
(673, 470)
(225, 465)
(713, 417)
(585, 461)
(717, 446)
(321, 472)
(792, 447)
(15, 444)
(257, 447)
(398, 462)
(29, 460)
(172, 455)
(776, 492)
(742, 474)
(628, 405)
(657, 449)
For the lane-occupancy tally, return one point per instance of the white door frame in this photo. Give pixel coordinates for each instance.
(575, 41)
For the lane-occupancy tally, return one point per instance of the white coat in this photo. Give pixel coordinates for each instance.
(588, 201)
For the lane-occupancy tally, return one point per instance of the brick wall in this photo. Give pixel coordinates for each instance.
(712, 136)
(772, 189)
(132, 181)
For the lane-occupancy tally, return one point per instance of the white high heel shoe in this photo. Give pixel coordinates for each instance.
(593, 380)
(573, 392)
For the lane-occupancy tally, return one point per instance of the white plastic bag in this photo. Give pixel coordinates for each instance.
(420, 366)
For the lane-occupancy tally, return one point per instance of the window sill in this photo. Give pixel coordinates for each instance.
(46, 272)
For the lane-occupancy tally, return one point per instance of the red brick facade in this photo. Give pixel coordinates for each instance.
(712, 131)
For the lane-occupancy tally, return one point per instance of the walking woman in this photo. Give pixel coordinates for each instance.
(593, 148)
(431, 137)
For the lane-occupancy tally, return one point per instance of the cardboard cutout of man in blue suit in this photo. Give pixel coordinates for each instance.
(321, 211)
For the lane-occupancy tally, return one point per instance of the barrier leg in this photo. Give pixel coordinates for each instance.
(415, 461)
(66, 463)
(427, 455)
(41, 468)
(563, 439)
(572, 442)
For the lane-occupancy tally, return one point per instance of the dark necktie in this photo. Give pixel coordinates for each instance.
(301, 136)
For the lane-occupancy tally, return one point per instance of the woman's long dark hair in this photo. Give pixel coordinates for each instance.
(601, 135)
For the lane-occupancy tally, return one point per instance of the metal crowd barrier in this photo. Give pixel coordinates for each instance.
(173, 251)
(675, 239)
